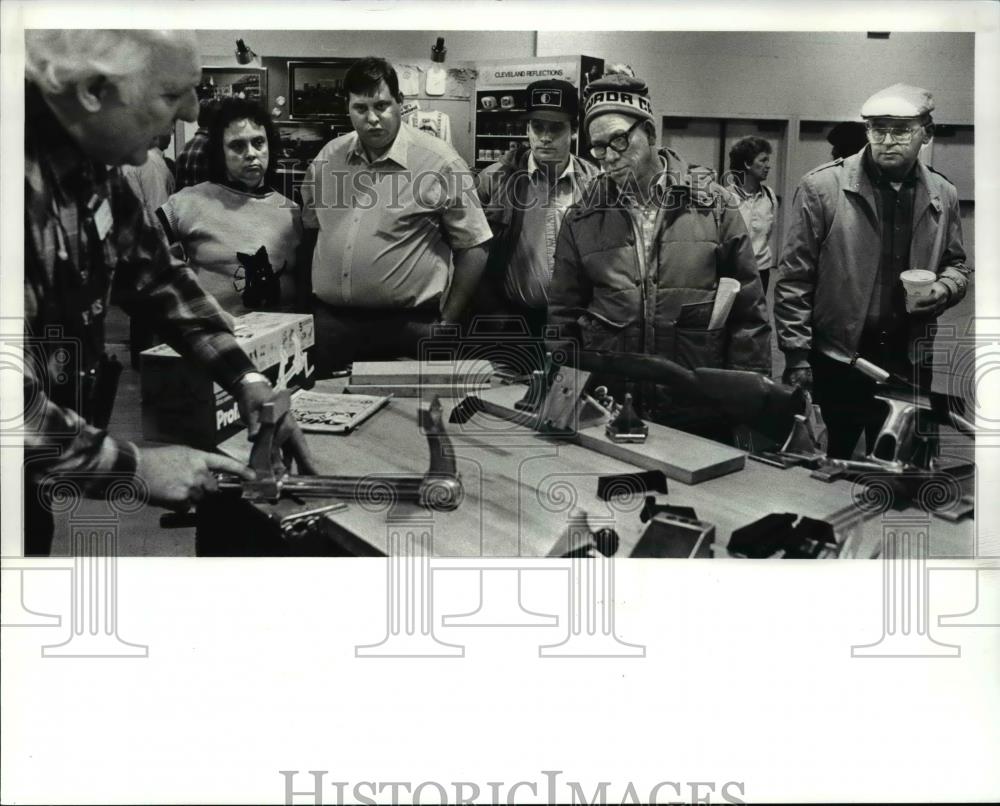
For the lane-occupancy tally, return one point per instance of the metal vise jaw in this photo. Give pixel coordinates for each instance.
(566, 407)
(265, 456)
(898, 442)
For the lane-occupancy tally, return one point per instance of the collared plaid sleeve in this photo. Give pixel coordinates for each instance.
(59, 443)
(57, 440)
(151, 283)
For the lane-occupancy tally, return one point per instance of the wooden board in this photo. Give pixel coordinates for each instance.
(424, 390)
(682, 457)
(396, 373)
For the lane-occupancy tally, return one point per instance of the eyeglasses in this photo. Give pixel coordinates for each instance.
(619, 143)
(901, 135)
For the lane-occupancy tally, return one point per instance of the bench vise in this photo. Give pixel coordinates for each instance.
(440, 488)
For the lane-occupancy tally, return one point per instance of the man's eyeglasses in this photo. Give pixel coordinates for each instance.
(619, 143)
(899, 134)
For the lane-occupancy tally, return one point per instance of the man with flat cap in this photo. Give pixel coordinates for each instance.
(525, 197)
(858, 223)
(639, 260)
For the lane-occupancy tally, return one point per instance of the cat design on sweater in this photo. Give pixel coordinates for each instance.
(262, 286)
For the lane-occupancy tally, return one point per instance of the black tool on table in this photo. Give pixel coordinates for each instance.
(650, 508)
(627, 426)
(741, 397)
(579, 540)
(673, 533)
(642, 481)
(785, 535)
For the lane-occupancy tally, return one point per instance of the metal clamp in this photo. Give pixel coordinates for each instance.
(440, 488)
(298, 524)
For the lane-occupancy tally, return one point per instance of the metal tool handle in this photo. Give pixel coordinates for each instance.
(314, 512)
(300, 523)
(873, 371)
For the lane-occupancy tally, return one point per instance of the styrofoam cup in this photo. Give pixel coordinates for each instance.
(917, 284)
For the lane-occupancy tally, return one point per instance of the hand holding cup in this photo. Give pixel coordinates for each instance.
(925, 294)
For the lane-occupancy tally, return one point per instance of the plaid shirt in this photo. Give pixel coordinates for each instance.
(70, 276)
(646, 216)
(192, 164)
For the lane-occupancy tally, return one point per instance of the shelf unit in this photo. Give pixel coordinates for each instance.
(500, 128)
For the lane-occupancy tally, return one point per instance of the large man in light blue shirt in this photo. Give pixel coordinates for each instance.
(394, 231)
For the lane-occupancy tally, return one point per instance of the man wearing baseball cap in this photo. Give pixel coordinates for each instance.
(858, 223)
(639, 260)
(525, 196)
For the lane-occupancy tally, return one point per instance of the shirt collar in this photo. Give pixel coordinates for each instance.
(743, 193)
(398, 151)
(879, 179)
(534, 168)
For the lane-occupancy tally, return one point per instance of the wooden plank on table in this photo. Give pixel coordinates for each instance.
(397, 373)
(423, 390)
(681, 456)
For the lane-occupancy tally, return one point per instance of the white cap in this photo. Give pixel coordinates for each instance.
(898, 101)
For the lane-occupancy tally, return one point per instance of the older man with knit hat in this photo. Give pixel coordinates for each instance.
(638, 261)
(858, 223)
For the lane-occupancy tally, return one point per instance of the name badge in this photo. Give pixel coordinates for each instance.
(103, 220)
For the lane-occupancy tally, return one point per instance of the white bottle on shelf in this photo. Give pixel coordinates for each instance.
(436, 74)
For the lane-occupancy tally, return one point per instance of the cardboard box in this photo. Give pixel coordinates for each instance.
(181, 403)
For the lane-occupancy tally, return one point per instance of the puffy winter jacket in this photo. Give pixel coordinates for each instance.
(601, 294)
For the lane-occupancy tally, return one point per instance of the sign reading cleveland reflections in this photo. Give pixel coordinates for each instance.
(508, 75)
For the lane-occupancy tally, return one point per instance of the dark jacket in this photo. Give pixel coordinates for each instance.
(598, 294)
(498, 186)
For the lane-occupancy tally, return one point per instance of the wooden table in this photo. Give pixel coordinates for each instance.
(520, 489)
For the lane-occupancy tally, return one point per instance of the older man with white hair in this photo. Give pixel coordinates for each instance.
(95, 100)
(857, 224)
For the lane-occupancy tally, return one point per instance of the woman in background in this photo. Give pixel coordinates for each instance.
(237, 231)
(749, 165)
